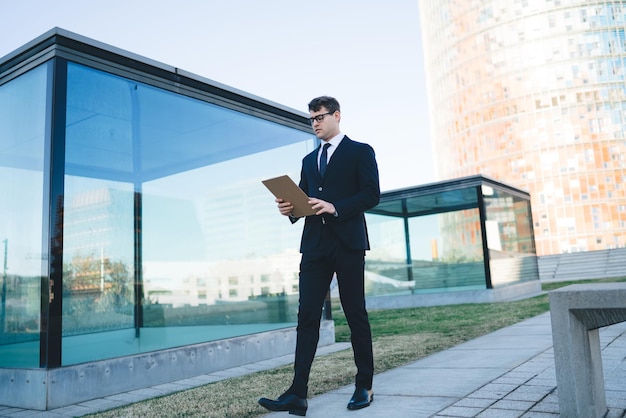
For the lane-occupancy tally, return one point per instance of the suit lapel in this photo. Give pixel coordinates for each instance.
(335, 159)
(338, 154)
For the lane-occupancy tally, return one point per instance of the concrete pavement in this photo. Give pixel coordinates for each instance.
(508, 373)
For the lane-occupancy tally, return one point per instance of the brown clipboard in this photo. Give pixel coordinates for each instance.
(283, 187)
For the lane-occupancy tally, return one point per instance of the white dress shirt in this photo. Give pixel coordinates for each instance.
(334, 143)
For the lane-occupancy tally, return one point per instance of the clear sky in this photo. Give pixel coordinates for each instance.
(366, 53)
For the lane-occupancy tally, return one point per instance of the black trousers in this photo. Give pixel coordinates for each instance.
(316, 272)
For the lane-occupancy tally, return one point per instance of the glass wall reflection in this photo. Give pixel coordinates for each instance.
(430, 239)
(22, 139)
(436, 260)
(164, 209)
(509, 237)
(169, 237)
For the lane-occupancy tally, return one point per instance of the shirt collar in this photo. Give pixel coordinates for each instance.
(334, 141)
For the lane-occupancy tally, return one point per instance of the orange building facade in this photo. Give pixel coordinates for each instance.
(532, 93)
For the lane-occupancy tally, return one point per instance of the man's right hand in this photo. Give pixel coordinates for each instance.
(285, 208)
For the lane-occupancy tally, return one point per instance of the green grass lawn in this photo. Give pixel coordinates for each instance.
(400, 336)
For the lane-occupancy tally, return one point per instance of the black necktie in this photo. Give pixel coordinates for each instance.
(324, 159)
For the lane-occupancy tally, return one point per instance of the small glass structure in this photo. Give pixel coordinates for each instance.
(133, 217)
(467, 234)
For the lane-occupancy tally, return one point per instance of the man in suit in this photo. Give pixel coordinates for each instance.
(341, 179)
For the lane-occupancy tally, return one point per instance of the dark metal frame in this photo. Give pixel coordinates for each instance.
(54, 162)
(483, 235)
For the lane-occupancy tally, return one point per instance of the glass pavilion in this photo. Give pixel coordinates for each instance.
(133, 217)
(464, 240)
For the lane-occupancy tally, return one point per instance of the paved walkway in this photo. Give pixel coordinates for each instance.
(508, 373)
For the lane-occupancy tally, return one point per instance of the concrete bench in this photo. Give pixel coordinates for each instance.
(577, 311)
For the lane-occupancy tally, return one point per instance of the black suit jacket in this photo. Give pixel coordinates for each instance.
(351, 184)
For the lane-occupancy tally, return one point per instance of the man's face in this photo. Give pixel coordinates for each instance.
(325, 124)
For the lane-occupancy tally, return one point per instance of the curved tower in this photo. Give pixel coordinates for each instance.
(532, 93)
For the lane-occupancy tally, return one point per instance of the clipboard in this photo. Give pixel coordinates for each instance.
(283, 187)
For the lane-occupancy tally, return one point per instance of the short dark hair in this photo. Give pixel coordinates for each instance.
(330, 103)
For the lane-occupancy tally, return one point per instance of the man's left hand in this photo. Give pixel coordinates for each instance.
(322, 206)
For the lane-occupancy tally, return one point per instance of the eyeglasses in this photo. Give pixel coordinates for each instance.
(319, 118)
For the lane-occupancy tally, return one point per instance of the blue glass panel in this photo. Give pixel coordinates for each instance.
(124, 130)
(455, 260)
(22, 135)
(444, 238)
(386, 265)
(509, 238)
(216, 260)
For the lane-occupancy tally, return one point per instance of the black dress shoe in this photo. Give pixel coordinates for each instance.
(286, 402)
(361, 399)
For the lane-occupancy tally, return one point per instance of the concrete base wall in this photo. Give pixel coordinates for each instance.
(55, 388)
(450, 298)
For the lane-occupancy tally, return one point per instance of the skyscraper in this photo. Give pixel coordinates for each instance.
(532, 93)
